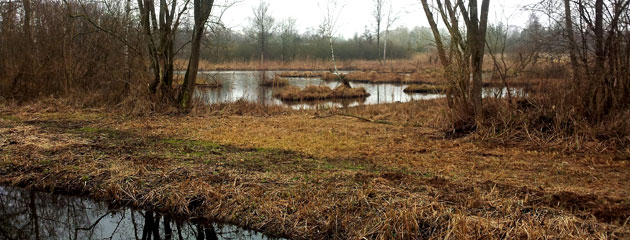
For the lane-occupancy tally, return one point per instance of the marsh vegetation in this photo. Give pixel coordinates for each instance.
(468, 128)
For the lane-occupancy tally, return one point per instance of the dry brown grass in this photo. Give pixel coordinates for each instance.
(424, 88)
(292, 93)
(400, 66)
(320, 174)
(304, 74)
(385, 77)
(276, 81)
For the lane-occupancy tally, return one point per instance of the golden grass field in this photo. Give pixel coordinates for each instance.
(375, 172)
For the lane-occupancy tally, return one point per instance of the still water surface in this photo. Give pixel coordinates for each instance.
(244, 85)
(36, 215)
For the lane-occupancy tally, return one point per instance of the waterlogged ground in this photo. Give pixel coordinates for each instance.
(375, 172)
(38, 215)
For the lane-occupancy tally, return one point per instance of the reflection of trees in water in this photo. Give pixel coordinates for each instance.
(30, 215)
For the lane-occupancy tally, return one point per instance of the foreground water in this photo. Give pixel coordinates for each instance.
(36, 215)
(245, 85)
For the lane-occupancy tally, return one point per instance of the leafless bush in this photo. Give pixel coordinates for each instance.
(46, 50)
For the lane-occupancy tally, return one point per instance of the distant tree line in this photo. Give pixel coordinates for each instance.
(284, 43)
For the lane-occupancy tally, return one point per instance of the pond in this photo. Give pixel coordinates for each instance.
(36, 215)
(238, 85)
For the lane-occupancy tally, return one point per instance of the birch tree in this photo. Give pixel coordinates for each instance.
(331, 12)
(392, 17)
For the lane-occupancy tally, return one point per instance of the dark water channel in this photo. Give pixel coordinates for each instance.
(238, 85)
(36, 215)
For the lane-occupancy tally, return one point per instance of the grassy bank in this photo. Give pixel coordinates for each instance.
(378, 172)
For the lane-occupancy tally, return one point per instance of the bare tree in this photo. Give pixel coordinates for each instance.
(505, 66)
(202, 9)
(160, 34)
(331, 11)
(378, 22)
(465, 60)
(392, 17)
(288, 35)
(570, 36)
(262, 27)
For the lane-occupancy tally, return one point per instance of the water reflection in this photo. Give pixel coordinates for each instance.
(34, 215)
(245, 85)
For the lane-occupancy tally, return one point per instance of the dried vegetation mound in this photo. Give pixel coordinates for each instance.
(274, 82)
(307, 74)
(374, 77)
(328, 76)
(293, 93)
(424, 88)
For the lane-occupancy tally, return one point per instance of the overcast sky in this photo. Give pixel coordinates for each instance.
(357, 14)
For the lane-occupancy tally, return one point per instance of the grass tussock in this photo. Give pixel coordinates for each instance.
(424, 88)
(276, 81)
(293, 93)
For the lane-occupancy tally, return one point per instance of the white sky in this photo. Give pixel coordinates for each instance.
(358, 13)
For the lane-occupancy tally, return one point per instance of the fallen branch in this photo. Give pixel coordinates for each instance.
(366, 119)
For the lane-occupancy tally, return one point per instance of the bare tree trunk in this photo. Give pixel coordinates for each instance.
(378, 17)
(332, 54)
(202, 12)
(599, 33)
(477, 38)
(25, 65)
(436, 34)
(27, 20)
(572, 44)
(385, 49)
(127, 57)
